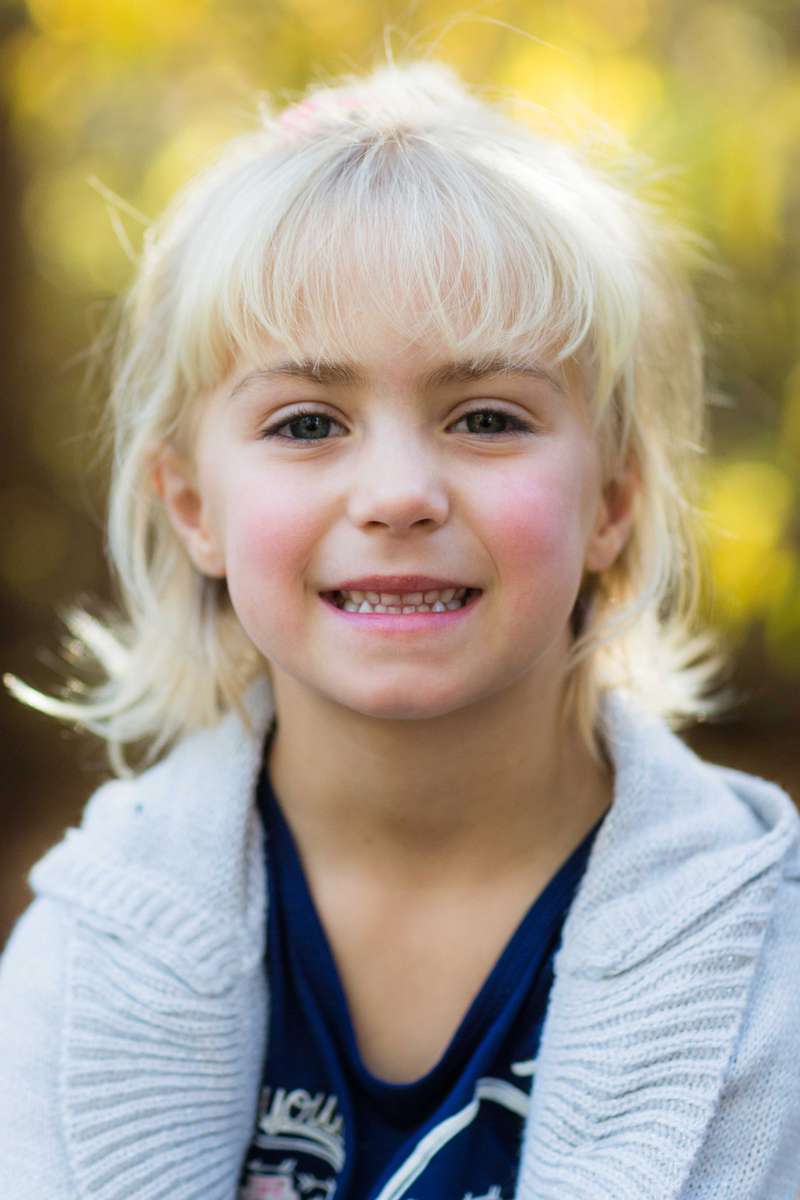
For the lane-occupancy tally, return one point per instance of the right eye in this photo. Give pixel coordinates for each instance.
(306, 425)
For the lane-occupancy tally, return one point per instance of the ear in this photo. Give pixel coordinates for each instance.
(174, 482)
(614, 519)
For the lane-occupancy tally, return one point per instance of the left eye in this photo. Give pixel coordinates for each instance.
(485, 420)
(309, 425)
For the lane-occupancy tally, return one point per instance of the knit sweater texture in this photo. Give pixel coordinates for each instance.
(134, 997)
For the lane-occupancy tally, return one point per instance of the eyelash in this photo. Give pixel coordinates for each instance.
(518, 425)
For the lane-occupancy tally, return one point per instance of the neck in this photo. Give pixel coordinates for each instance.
(486, 787)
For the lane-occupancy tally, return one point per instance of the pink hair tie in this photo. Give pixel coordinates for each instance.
(308, 115)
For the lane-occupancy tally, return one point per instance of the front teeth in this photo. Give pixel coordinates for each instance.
(448, 599)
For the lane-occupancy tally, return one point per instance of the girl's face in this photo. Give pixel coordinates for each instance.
(492, 483)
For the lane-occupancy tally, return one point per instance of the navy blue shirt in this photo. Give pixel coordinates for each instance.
(327, 1127)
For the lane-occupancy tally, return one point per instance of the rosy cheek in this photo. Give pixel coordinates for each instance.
(530, 520)
(534, 531)
(268, 538)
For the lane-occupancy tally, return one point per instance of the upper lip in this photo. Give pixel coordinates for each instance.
(395, 583)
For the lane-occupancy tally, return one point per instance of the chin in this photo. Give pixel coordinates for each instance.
(404, 705)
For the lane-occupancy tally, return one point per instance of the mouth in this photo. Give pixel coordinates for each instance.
(402, 603)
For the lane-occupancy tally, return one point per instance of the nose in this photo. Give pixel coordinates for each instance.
(398, 488)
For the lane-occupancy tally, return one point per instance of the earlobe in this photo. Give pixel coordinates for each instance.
(174, 483)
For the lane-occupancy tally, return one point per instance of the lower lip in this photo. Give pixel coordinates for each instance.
(405, 623)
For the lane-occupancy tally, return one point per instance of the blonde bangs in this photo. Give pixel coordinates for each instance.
(404, 234)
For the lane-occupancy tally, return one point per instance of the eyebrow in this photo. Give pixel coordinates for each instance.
(343, 374)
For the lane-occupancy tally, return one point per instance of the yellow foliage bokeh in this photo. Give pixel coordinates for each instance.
(116, 25)
(746, 510)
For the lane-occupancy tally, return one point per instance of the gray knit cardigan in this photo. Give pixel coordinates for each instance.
(134, 997)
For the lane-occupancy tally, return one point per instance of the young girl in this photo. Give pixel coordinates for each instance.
(415, 894)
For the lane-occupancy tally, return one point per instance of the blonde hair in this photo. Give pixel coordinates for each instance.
(409, 186)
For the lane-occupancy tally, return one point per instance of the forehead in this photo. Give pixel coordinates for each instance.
(382, 354)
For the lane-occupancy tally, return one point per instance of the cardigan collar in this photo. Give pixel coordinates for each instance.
(176, 854)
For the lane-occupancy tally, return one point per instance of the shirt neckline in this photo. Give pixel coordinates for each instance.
(540, 927)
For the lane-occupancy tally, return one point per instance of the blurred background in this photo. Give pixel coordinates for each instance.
(107, 106)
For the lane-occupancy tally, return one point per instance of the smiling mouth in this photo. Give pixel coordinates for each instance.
(400, 603)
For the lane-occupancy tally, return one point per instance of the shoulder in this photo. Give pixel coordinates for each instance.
(673, 1001)
(207, 777)
(682, 837)
(173, 859)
